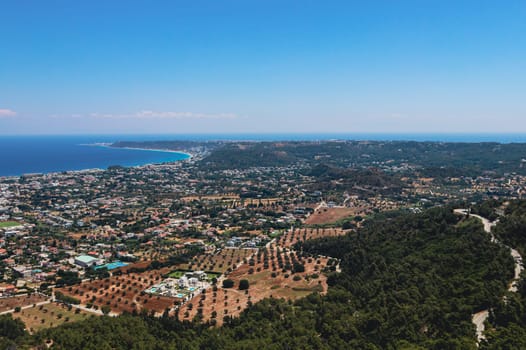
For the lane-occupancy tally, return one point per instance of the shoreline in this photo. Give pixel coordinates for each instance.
(110, 145)
(188, 156)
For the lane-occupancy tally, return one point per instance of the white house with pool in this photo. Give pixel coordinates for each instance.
(185, 287)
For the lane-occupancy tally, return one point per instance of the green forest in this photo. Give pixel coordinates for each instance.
(436, 159)
(411, 281)
(507, 321)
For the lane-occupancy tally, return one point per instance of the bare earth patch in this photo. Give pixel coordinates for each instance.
(290, 238)
(12, 302)
(268, 276)
(49, 315)
(122, 293)
(331, 215)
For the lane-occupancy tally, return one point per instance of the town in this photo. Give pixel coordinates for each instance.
(198, 241)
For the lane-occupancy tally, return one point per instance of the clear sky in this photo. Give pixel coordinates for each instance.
(247, 66)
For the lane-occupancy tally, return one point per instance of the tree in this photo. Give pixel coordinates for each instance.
(10, 328)
(347, 225)
(298, 267)
(228, 283)
(244, 284)
(105, 309)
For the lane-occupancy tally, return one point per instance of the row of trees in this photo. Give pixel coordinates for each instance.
(243, 284)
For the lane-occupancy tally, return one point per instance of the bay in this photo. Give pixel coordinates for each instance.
(25, 154)
(44, 154)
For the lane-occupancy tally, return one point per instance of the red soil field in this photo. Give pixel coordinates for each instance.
(12, 302)
(331, 215)
(288, 239)
(122, 293)
(267, 280)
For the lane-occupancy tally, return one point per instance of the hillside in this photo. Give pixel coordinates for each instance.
(412, 281)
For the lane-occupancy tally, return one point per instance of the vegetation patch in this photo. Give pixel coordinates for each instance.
(177, 273)
(7, 224)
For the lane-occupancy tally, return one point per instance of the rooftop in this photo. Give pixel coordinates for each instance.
(85, 259)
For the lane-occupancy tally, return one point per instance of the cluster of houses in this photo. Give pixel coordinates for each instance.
(77, 220)
(246, 242)
(184, 287)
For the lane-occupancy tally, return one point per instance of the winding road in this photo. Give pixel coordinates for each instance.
(480, 317)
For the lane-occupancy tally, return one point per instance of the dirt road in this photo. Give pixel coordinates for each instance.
(480, 317)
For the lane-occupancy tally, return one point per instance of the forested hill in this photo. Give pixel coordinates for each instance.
(434, 158)
(508, 319)
(411, 282)
(438, 159)
(182, 145)
(418, 279)
(328, 178)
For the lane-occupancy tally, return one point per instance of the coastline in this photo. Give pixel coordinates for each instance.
(184, 156)
(110, 145)
(188, 155)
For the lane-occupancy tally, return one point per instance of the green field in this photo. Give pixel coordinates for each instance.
(177, 273)
(275, 234)
(5, 224)
(180, 273)
(211, 275)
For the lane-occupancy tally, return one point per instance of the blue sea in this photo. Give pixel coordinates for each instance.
(43, 154)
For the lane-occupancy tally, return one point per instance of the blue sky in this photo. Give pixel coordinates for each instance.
(262, 66)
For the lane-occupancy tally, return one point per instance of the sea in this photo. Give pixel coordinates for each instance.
(28, 154)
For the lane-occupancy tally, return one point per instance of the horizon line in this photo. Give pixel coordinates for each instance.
(280, 133)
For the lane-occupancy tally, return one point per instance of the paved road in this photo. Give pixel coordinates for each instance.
(85, 308)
